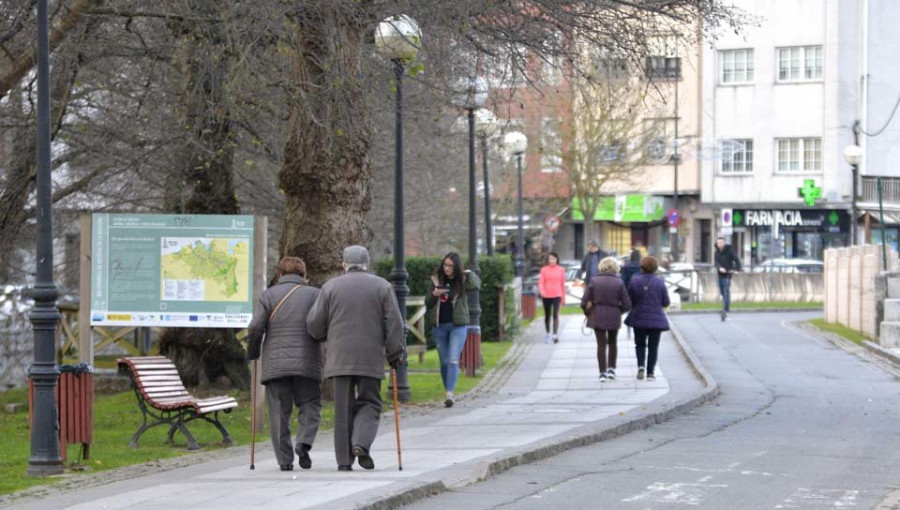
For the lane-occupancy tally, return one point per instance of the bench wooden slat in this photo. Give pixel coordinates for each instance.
(211, 401)
(155, 398)
(149, 373)
(160, 378)
(162, 386)
(155, 366)
(221, 407)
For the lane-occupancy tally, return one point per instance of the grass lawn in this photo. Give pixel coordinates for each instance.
(752, 306)
(840, 330)
(116, 418)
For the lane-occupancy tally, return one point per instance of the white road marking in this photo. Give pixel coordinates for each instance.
(820, 498)
(679, 493)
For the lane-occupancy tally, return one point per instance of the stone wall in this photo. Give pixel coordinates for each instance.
(758, 287)
(851, 296)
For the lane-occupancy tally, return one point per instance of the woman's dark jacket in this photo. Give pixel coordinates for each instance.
(610, 300)
(648, 298)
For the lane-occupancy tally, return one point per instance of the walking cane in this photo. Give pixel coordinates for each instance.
(253, 414)
(397, 419)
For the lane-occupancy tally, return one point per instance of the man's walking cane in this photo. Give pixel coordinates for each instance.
(253, 413)
(397, 418)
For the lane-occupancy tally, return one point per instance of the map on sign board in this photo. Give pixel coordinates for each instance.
(204, 269)
(171, 270)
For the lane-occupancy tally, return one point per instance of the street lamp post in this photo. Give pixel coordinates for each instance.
(853, 155)
(44, 459)
(397, 39)
(515, 144)
(474, 94)
(485, 126)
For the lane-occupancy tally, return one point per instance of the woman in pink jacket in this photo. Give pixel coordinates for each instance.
(552, 288)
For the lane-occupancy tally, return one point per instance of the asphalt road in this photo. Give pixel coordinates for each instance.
(799, 423)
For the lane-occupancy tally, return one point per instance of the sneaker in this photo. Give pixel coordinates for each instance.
(555, 339)
(640, 374)
(602, 377)
(611, 374)
(724, 315)
(549, 338)
(651, 377)
(448, 402)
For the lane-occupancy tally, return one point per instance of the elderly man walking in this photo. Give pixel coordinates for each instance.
(357, 316)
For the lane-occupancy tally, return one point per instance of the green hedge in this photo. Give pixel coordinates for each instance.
(495, 272)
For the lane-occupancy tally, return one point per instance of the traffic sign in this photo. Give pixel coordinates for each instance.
(552, 222)
(673, 217)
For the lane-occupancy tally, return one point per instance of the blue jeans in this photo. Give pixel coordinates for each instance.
(725, 290)
(449, 340)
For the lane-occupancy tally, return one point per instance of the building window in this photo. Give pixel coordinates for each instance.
(663, 67)
(736, 156)
(736, 65)
(551, 146)
(800, 63)
(612, 68)
(799, 154)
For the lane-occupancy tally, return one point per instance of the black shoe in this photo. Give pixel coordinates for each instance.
(303, 459)
(287, 467)
(362, 456)
(724, 315)
(345, 468)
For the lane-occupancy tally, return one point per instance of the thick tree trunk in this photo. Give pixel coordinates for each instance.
(326, 176)
(205, 356)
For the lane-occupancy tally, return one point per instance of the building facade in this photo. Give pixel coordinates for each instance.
(779, 104)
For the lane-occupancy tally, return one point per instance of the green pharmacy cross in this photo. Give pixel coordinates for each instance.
(737, 218)
(810, 192)
(834, 218)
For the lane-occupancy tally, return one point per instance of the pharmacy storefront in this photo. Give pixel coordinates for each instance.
(762, 234)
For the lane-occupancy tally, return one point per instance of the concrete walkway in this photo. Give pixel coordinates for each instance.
(551, 400)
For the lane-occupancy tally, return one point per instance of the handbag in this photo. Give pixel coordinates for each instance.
(587, 308)
(628, 320)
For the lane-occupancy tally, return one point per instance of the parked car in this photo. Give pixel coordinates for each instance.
(790, 266)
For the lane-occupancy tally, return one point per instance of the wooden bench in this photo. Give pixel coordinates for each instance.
(162, 396)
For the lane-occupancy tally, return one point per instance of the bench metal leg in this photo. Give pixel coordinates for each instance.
(226, 439)
(170, 437)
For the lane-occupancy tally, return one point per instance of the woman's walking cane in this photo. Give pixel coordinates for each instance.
(397, 419)
(253, 371)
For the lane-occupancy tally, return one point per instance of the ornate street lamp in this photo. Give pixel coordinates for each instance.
(853, 155)
(474, 92)
(515, 144)
(44, 372)
(397, 39)
(485, 126)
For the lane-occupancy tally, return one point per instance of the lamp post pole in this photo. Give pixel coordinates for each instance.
(520, 242)
(399, 276)
(488, 229)
(474, 294)
(854, 215)
(44, 459)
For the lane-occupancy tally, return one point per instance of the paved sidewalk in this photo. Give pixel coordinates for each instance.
(552, 396)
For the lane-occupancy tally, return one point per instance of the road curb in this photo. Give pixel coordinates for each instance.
(583, 436)
(881, 351)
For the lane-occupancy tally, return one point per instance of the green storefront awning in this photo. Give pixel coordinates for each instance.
(627, 208)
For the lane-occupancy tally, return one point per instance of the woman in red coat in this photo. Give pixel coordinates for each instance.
(605, 300)
(552, 288)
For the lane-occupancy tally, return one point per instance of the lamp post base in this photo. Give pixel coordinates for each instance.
(42, 468)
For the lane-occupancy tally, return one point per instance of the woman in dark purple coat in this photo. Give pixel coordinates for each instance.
(648, 297)
(605, 300)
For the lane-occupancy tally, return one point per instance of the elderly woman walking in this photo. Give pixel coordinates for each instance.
(604, 301)
(648, 297)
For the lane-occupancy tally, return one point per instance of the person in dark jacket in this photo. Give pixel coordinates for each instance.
(591, 261)
(605, 300)
(648, 299)
(291, 361)
(358, 316)
(449, 284)
(632, 268)
(727, 263)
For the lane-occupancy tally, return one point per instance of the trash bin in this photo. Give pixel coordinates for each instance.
(75, 399)
(529, 304)
(470, 358)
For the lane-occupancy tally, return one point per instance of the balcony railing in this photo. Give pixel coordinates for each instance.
(890, 189)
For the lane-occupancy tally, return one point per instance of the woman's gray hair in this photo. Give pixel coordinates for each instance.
(608, 265)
